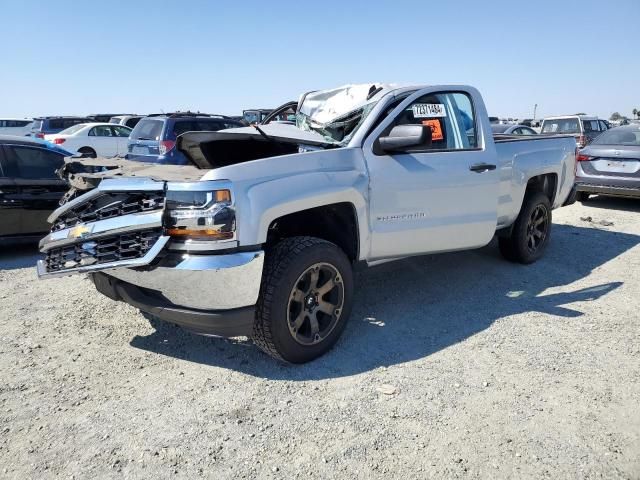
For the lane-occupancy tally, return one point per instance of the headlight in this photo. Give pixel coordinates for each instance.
(191, 212)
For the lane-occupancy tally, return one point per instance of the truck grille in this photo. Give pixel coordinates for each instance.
(114, 248)
(109, 205)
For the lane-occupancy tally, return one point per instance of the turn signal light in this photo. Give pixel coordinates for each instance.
(204, 234)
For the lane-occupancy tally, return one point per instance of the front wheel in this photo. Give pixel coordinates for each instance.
(305, 299)
(531, 231)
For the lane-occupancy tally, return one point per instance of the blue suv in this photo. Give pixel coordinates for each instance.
(154, 137)
(45, 125)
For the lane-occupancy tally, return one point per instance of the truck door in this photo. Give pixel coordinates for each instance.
(437, 197)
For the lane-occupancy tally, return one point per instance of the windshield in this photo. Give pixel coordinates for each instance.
(561, 125)
(147, 130)
(619, 136)
(338, 113)
(72, 130)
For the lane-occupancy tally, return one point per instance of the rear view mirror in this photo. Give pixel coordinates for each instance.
(403, 137)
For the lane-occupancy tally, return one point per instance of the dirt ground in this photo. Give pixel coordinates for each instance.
(452, 366)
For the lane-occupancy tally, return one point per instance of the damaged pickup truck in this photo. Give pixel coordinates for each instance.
(259, 235)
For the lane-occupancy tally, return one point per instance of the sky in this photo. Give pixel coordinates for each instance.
(68, 57)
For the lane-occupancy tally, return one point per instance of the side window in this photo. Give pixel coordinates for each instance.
(35, 163)
(185, 126)
(132, 122)
(603, 126)
(209, 126)
(101, 131)
(450, 116)
(120, 132)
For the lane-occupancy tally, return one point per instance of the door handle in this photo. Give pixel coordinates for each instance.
(482, 167)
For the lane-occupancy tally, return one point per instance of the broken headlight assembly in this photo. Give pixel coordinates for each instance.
(200, 212)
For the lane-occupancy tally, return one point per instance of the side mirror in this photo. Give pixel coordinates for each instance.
(402, 137)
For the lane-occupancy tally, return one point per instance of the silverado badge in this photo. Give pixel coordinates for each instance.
(80, 231)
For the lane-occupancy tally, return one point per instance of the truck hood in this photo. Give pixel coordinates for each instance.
(86, 173)
(209, 150)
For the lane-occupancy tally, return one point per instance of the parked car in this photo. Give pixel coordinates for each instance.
(513, 130)
(610, 165)
(93, 139)
(154, 138)
(103, 117)
(15, 126)
(494, 120)
(257, 236)
(45, 125)
(255, 115)
(585, 128)
(127, 120)
(29, 188)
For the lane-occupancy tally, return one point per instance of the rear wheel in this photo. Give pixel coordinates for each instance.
(87, 152)
(582, 196)
(305, 299)
(531, 231)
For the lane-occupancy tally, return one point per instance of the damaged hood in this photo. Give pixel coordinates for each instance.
(87, 173)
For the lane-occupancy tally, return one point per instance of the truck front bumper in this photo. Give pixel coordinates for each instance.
(206, 294)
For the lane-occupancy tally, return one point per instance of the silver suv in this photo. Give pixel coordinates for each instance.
(584, 128)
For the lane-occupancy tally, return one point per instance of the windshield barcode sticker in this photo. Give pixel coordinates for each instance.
(428, 110)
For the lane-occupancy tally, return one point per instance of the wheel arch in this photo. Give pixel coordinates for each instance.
(335, 222)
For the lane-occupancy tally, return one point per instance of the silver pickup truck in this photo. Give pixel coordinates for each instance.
(260, 233)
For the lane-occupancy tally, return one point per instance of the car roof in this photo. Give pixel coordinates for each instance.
(59, 116)
(582, 117)
(21, 139)
(95, 124)
(19, 119)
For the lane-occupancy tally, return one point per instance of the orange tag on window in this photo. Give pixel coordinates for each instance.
(436, 129)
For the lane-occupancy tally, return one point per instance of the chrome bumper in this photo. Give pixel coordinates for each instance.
(203, 282)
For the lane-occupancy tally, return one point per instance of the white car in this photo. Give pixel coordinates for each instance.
(93, 139)
(15, 126)
(126, 120)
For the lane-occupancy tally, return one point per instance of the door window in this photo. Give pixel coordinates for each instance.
(450, 116)
(100, 131)
(32, 163)
(121, 132)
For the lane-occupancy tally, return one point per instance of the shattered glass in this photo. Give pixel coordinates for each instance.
(336, 114)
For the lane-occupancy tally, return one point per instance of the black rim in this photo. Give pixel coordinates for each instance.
(537, 228)
(315, 304)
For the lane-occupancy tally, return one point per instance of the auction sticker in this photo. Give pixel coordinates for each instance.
(428, 110)
(436, 129)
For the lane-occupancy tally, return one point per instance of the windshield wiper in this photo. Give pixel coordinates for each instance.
(144, 138)
(264, 135)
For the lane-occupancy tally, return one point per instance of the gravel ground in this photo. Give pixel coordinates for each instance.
(452, 366)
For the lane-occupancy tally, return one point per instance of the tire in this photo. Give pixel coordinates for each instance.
(293, 304)
(88, 152)
(582, 196)
(518, 246)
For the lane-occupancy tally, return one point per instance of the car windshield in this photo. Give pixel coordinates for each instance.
(561, 125)
(147, 130)
(72, 130)
(500, 128)
(619, 136)
(336, 114)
